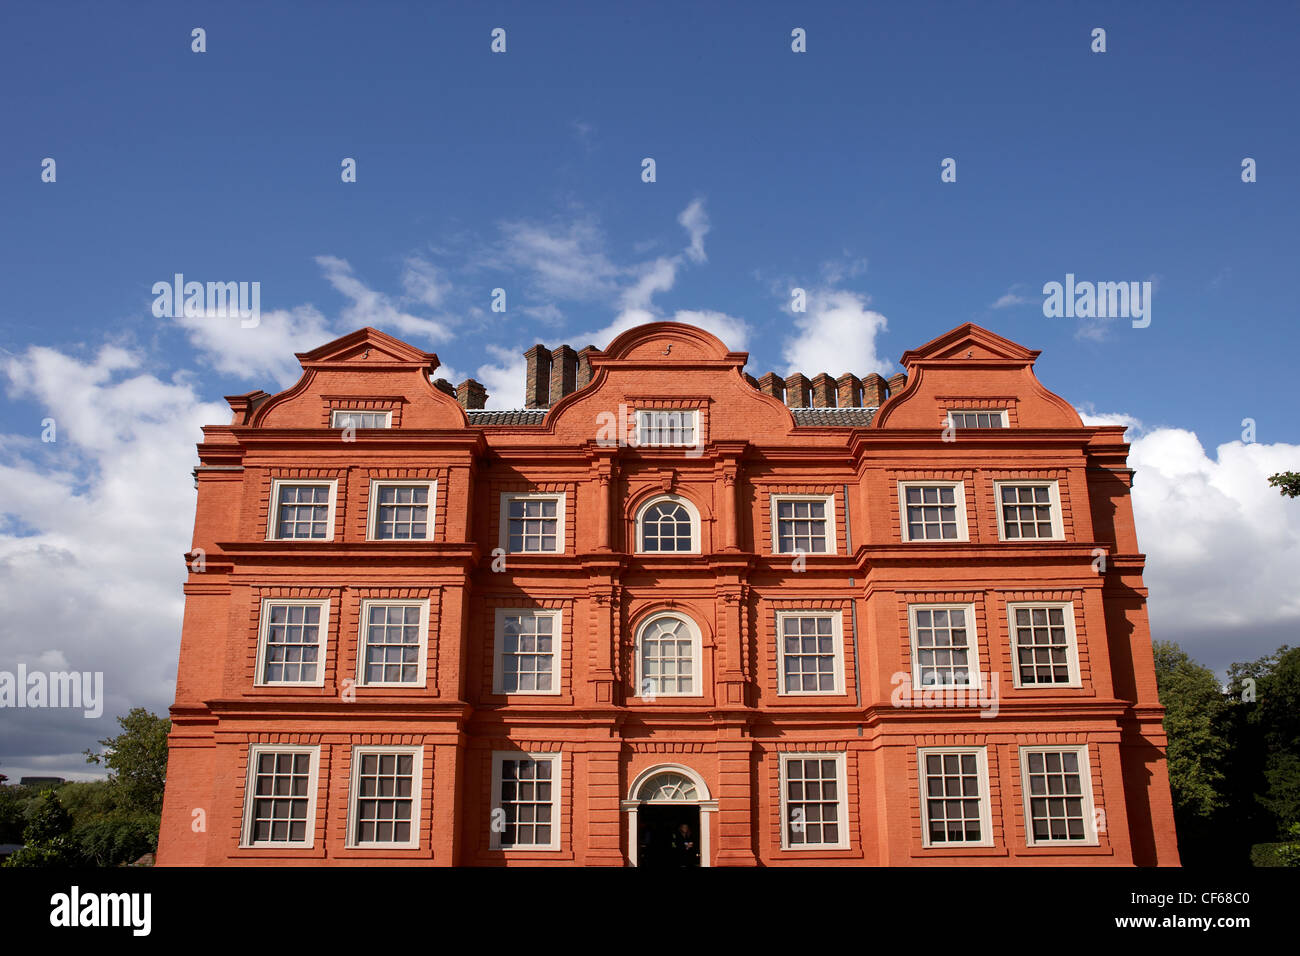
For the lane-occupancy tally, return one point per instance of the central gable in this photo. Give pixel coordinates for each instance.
(665, 366)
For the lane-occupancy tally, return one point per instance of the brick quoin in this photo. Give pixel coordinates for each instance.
(746, 744)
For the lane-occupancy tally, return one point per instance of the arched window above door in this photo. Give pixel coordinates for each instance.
(668, 787)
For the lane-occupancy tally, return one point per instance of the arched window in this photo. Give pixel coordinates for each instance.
(668, 658)
(668, 787)
(668, 524)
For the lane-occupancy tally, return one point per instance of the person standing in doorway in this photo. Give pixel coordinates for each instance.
(683, 846)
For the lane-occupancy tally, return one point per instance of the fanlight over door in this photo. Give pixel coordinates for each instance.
(668, 787)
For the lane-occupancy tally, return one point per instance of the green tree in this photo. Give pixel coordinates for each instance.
(13, 814)
(1194, 708)
(1287, 481)
(46, 838)
(1270, 727)
(89, 800)
(137, 760)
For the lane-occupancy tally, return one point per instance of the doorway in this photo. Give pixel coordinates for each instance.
(661, 842)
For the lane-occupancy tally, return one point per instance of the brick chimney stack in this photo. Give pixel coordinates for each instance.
(470, 394)
(897, 383)
(537, 385)
(772, 384)
(583, 377)
(874, 391)
(823, 391)
(442, 385)
(564, 372)
(849, 391)
(797, 390)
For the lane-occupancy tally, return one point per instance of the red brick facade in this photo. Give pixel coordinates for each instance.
(966, 621)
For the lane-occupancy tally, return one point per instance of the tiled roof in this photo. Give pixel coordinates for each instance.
(822, 417)
(507, 416)
(834, 417)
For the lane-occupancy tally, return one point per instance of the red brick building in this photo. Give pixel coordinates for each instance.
(668, 613)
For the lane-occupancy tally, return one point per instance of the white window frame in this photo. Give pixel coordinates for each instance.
(842, 814)
(499, 651)
(1091, 837)
(986, 810)
(837, 650)
(363, 641)
(959, 499)
(831, 534)
(322, 644)
(691, 510)
(560, 519)
(975, 411)
(273, 512)
(697, 653)
(372, 519)
(335, 413)
(1054, 505)
(1071, 651)
(417, 795)
(557, 770)
(972, 646)
(694, 413)
(250, 797)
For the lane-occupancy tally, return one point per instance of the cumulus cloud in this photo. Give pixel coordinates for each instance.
(836, 334)
(1222, 545)
(504, 379)
(263, 352)
(91, 572)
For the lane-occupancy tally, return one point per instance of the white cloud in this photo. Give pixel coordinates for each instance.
(93, 577)
(836, 334)
(1222, 545)
(847, 266)
(1011, 297)
(696, 223)
(651, 278)
(372, 308)
(264, 351)
(567, 263)
(423, 282)
(504, 380)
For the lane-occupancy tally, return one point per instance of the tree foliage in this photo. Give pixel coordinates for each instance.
(1194, 708)
(1287, 481)
(137, 760)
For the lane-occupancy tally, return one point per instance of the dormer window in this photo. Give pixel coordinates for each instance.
(357, 418)
(986, 418)
(667, 428)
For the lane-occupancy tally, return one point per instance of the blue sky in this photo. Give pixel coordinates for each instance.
(522, 171)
